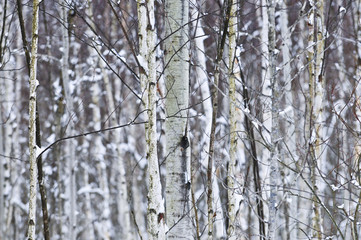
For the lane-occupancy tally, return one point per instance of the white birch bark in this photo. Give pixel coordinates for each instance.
(310, 100)
(9, 99)
(231, 186)
(266, 81)
(357, 114)
(147, 38)
(99, 149)
(89, 231)
(177, 96)
(33, 82)
(266, 94)
(305, 206)
(2, 177)
(202, 78)
(13, 209)
(122, 202)
(70, 158)
(357, 104)
(318, 107)
(123, 207)
(99, 153)
(205, 91)
(2, 150)
(155, 212)
(275, 131)
(290, 207)
(315, 106)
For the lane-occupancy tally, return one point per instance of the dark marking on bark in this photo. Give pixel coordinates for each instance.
(184, 143)
(160, 217)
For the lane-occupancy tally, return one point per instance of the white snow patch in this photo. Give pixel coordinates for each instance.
(334, 188)
(341, 206)
(239, 50)
(143, 63)
(38, 151)
(255, 124)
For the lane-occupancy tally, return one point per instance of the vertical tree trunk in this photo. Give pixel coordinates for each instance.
(233, 123)
(275, 131)
(214, 91)
(177, 97)
(70, 159)
(33, 82)
(202, 78)
(13, 213)
(315, 101)
(266, 80)
(155, 211)
(2, 177)
(2, 158)
(357, 115)
(99, 149)
(147, 38)
(290, 209)
(266, 104)
(300, 121)
(89, 231)
(122, 203)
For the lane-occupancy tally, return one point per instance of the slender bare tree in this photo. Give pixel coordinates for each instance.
(34, 83)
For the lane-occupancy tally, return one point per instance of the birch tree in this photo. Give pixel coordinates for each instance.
(203, 81)
(231, 186)
(71, 159)
(3, 16)
(33, 82)
(147, 40)
(99, 149)
(2, 177)
(315, 58)
(3, 9)
(177, 143)
(275, 131)
(288, 116)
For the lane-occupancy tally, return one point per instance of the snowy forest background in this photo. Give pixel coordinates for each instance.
(195, 119)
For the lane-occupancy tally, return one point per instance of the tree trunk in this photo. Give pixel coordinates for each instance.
(147, 40)
(205, 126)
(70, 158)
(287, 153)
(99, 149)
(177, 97)
(315, 58)
(2, 177)
(231, 187)
(33, 82)
(275, 131)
